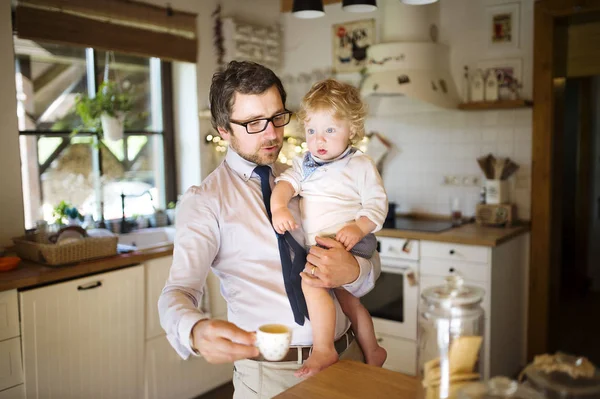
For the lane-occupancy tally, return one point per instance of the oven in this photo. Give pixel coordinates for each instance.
(393, 303)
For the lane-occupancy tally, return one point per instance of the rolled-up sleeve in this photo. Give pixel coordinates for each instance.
(370, 269)
(373, 196)
(196, 245)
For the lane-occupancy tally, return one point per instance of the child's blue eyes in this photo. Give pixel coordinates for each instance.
(328, 130)
(310, 131)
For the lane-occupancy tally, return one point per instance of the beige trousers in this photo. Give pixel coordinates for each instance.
(263, 380)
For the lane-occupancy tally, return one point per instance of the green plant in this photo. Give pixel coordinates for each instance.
(171, 205)
(63, 211)
(109, 99)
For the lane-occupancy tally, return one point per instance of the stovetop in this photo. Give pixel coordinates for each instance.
(432, 226)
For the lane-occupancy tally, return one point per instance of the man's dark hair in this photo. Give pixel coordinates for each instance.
(243, 77)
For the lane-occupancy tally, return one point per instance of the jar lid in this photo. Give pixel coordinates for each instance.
(453, 293)
(498, 388)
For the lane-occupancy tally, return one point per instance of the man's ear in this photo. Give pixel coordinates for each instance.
(225, 135)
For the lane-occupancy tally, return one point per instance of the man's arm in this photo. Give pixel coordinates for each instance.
(197, 241)
(336, 267)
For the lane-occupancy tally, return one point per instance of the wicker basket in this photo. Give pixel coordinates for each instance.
(37, 249)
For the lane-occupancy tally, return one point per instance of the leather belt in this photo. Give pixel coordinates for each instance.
(301, 353)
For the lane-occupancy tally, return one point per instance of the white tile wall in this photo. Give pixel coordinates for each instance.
(432, 143)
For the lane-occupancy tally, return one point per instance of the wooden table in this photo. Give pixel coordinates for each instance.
(349, 379)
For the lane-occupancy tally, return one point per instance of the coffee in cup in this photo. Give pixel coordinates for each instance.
(273, 341)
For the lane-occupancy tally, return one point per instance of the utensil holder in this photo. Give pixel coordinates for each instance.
(496, 191)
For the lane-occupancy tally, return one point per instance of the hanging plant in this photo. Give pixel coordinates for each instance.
(105, 113)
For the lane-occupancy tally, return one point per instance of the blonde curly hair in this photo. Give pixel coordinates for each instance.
(342, 99)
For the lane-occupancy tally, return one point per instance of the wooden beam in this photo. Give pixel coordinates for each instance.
(541, 178)
(49, 75)
(286, 5)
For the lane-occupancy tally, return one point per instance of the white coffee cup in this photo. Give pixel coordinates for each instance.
(273, 341)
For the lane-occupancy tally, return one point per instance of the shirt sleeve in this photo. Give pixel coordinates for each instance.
(370, 269)
(293, 175)
(196, 245)
(373, 196)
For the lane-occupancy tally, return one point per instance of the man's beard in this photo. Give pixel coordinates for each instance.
(257, 158)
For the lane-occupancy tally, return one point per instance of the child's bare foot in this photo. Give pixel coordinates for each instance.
(376, 357)
(317, 361)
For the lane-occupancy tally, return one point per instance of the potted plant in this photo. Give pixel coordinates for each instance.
(105, 113)
(65, 213)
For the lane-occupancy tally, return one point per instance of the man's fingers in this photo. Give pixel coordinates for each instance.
(238, 335)
(312, 281)
(234, 350)
(328, 242)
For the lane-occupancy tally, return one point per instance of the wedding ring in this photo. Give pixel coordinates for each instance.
(312, 271)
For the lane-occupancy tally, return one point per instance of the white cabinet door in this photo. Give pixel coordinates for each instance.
(9, 315)
(157, 273)
(168, 376)
(85, 338)
(11, 367)
(401, 354)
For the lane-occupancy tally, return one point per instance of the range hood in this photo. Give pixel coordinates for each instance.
(409, 62)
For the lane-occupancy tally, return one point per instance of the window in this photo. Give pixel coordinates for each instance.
(81, 169)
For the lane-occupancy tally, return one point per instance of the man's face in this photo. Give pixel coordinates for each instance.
(261, 148)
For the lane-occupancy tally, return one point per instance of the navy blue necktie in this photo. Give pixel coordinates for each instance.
(290, 266)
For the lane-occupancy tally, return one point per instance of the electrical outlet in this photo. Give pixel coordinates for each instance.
(471, 181)
(455, 180)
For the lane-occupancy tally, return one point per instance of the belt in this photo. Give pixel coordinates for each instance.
(301, 353)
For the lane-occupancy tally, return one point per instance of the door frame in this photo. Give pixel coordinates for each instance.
(544, 218)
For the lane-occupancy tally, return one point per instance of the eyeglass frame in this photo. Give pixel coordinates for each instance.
(245, 124)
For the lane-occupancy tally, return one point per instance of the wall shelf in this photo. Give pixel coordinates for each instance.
(490, 105)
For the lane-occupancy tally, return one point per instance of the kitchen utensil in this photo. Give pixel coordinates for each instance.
(498, 167)
(450, 337)
(509, 169)
(9, 263)
(496, 191)
(485, 165)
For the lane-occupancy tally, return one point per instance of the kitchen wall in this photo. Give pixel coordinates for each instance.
(11, 197)
(431, 143)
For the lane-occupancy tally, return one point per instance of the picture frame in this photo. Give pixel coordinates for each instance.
(509, 72)
(503, 26)
(350, 41)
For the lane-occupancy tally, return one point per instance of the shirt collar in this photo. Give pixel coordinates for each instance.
(242, 167)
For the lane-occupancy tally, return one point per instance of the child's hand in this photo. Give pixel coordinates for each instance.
(283, 220)
(349, 236)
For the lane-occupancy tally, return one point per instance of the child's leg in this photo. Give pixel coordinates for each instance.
(362, 324)
(322, 318)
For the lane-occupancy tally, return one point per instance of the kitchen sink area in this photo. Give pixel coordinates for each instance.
(146, 238)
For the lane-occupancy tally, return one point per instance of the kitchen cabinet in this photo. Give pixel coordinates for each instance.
(85, 338)
(17, 392)
(11, 367)
(402, 353)
(502, 272)
(167, 375)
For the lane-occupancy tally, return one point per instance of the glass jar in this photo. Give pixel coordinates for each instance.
(498, 388)
(450, 338)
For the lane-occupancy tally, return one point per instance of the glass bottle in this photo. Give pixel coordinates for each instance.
(450, 338)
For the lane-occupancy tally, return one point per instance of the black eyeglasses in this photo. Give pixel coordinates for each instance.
(259, 125)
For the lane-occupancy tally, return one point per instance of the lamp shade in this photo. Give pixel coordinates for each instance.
(308, 9)
(359, 5)
(418, 2)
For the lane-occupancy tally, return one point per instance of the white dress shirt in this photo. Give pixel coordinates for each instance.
(223, 225)
(338, 193)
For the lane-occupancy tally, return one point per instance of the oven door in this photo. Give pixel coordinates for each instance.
(394, 299)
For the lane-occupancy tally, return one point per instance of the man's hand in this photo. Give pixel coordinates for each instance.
(334, 266)
(283, 220)
(220, 341)
(350, 235)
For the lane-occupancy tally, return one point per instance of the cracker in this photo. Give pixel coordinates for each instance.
(463, 354)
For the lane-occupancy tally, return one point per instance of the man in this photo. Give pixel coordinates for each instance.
(224, 226)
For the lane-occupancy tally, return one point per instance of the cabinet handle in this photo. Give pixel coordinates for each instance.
(451, 252)
(89, 286)
(451, 270)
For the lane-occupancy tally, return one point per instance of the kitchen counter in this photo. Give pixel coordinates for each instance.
(349, 379)
(468, 234)
(30, 274)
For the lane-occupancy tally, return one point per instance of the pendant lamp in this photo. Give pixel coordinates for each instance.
(359, 5)
(308, 9)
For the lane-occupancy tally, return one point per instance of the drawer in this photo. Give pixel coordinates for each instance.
(11, 365)
(444, 250)
(9, 315)
(443, 268)
(17, 392)
(401, 354)
(398, 248)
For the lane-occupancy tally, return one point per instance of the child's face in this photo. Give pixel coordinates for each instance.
(326, 136)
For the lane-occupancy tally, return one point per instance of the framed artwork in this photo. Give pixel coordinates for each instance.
(350, 43)
(509, 73)
(502, 26)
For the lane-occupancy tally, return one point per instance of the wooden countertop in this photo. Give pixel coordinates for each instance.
(30, 274)
(349, 379)
(468, 234)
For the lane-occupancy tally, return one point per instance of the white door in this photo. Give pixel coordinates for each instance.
(168, 376)
(85, 338)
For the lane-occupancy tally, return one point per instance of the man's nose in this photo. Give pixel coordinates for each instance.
(270, 131)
